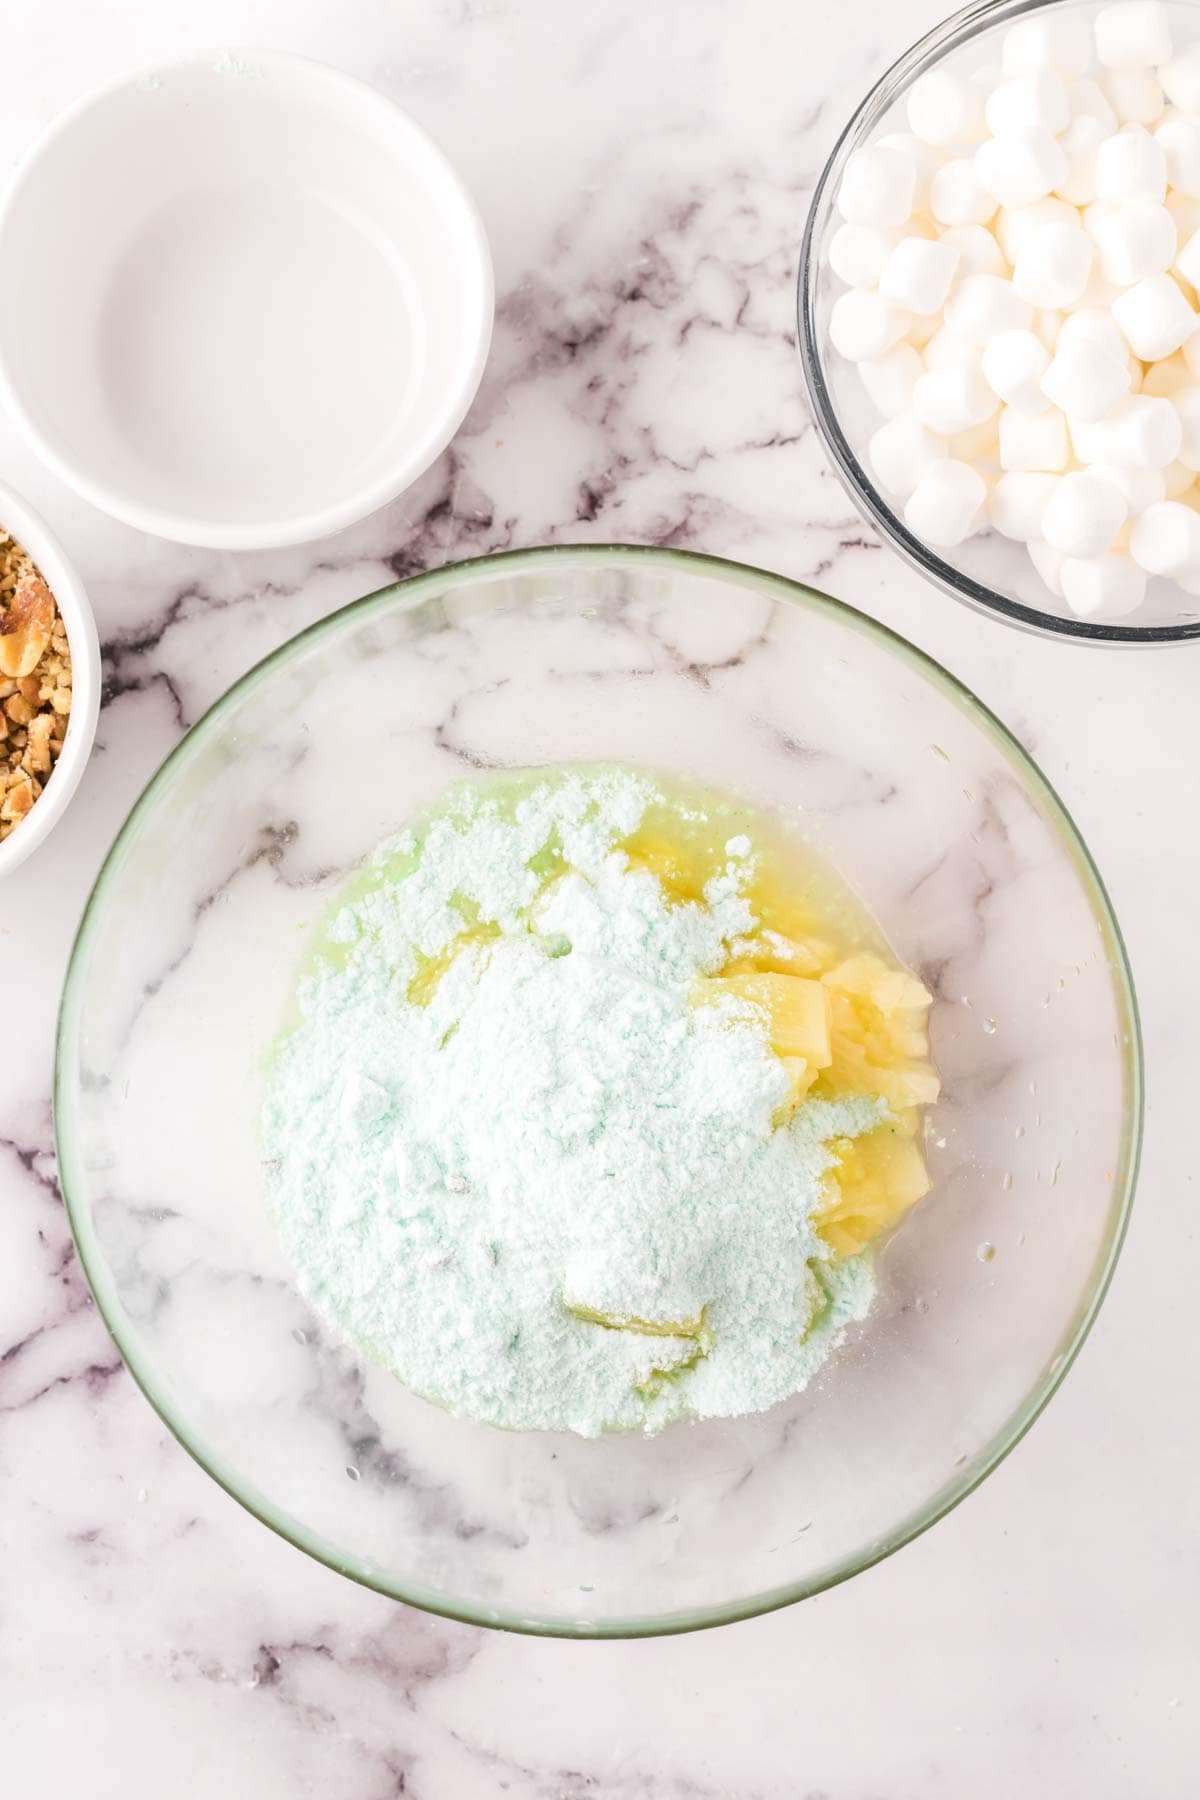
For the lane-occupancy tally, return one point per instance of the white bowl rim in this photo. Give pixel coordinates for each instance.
(30, 530)
(302, 527)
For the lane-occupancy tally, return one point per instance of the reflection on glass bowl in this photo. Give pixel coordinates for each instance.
(989, 572)
(182, 970)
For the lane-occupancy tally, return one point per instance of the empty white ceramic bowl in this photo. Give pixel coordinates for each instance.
(254, 301)
(35, 536)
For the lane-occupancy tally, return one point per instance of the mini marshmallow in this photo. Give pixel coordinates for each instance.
(1186, 402)
(1165, 379)
(1133, 35)
(944, 109)
(1092, 325)
(981, 305)
(1154, 317)
(1188, 259)
(1085, 380)
(1080, 141)
(1015, 225)
(1028, 103)
(953, 399)
(984, 78)
(978, 251)
(877, 187)
(1067, 334)
(1053, 266)
(1033, 443)
(948, 349)
(863, 325)
(1139, 488)
(890, 379)
(1134, 95)
(945, 505)
(956, 195)
(923, 159)
(1083, 516)
(1177, 479)
(1133, 241)
(1181, 79)
(978, 445)
(1179, 141)
(1098, 295)
(1186, 213)
(918, 274)
(1139, 433)
(1018, 501)
(900, 452)
(1061, 43)
(1088, 101)
(1166, 540)
(857, 254)
(1089, 445)
(1013, 365)
(1048, 563)
(1106, 586)
(1131, 165)
(1017, 171)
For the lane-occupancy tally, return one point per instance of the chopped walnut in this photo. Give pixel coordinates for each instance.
(35, 684)
(25, 626)
(19, 798)
(37, 757)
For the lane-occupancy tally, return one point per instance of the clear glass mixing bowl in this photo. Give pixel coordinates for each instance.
(988, 572)
(179, 979)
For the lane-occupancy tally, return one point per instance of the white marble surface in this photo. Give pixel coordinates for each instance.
(643, 172)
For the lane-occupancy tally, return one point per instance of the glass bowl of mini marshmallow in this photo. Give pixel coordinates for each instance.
(692, 668)
(999, 320)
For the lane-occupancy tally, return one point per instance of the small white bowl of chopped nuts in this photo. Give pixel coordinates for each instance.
(49, 681)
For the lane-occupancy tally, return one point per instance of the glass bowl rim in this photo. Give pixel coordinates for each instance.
(950, 34)
(406, 595)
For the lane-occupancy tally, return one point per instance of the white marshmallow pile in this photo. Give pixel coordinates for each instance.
(1022, 269)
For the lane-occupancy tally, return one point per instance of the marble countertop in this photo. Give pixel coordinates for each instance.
(643, 172)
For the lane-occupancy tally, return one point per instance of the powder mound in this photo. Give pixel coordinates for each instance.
(516, 1164)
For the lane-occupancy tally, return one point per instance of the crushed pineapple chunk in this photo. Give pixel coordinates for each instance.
(840, 1023)
(797, 1008)
(696, 1327)
(879, 1038)
(658, 1380)
(875, 1180)
(681, 869)
(549, 862)
(779, 908)
(769, 953)
(681, 1331)
(818, 1299)
(424, 983)
(801, 1076)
